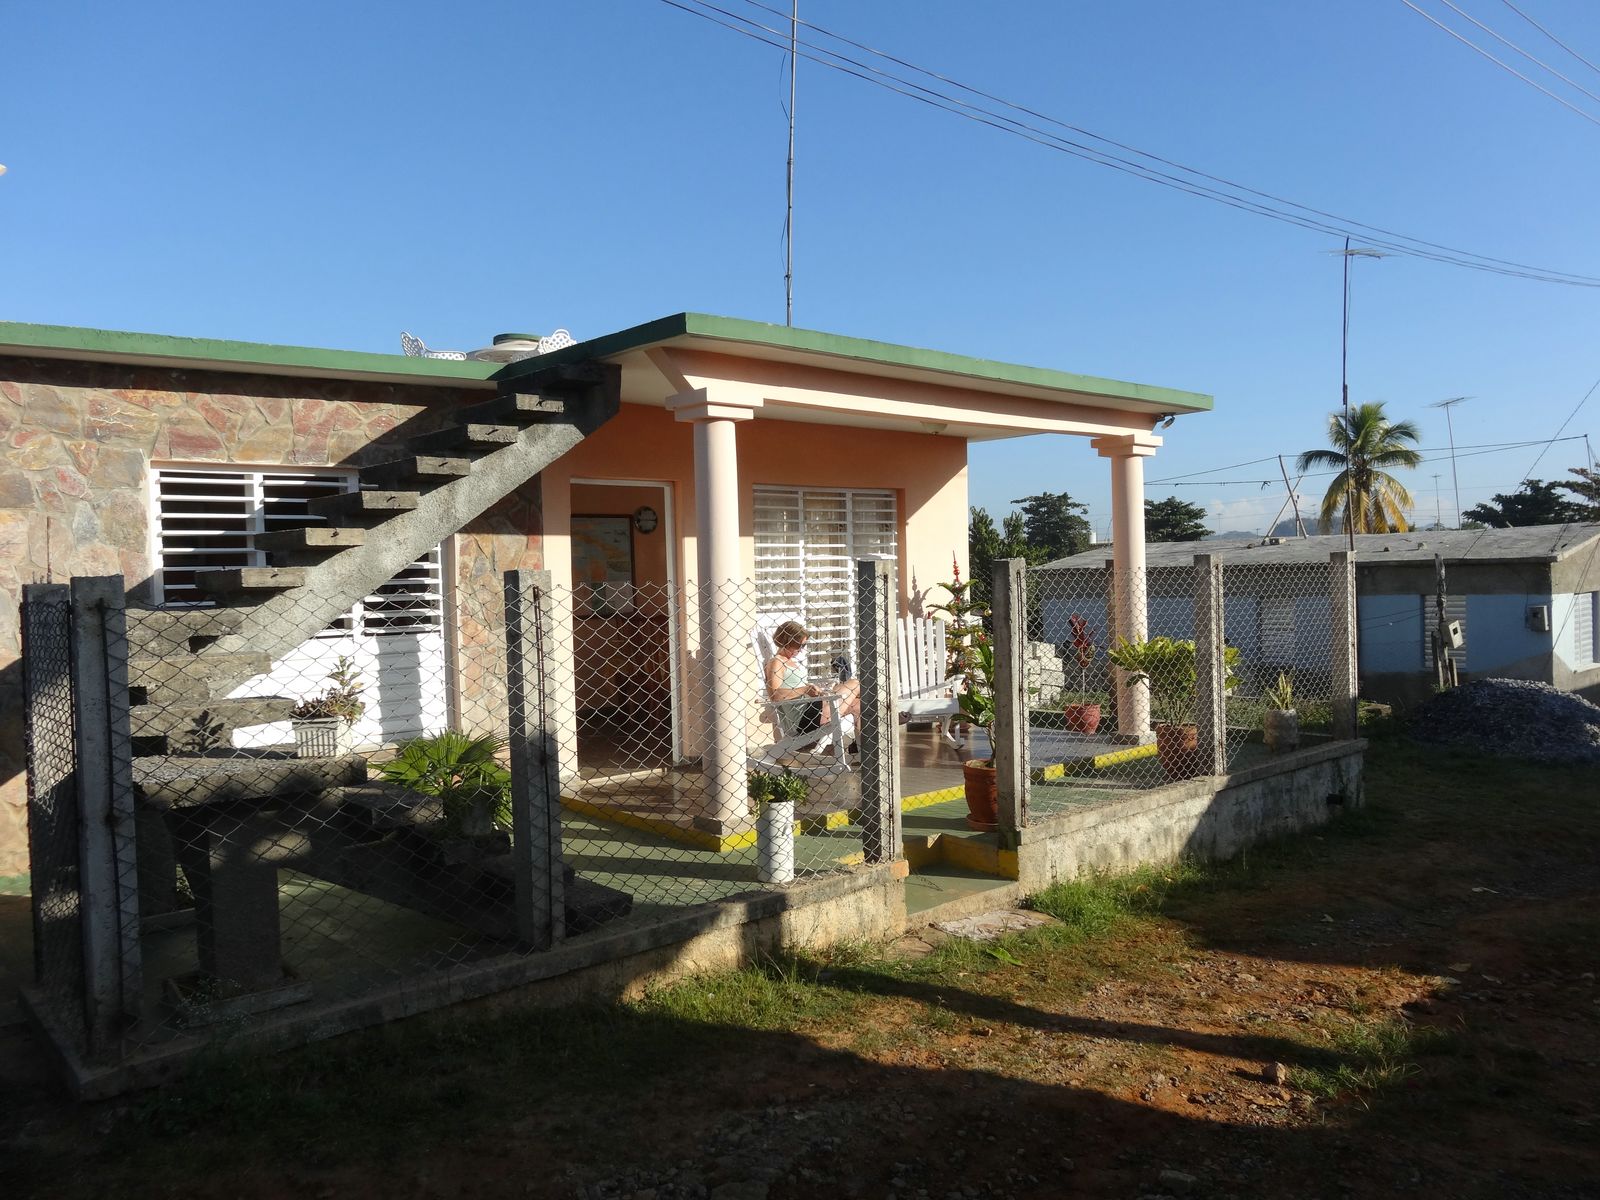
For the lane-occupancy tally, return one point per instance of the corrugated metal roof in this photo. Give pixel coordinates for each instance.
(1531, 543)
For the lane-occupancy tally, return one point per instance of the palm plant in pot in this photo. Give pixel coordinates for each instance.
(1168, 666)
(978, 708)
(1280, 725)
(472, 785)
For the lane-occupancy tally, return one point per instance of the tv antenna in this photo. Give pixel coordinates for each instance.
(1447, 405)
(788, 214)
(1347, 254)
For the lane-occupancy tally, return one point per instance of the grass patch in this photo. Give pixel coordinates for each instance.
(1369, 1057)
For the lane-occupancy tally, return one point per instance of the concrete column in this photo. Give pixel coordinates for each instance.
(1127, 454)
(726, 604)
(1211, 705)
(876, 607)
(1343, 630)
(1008, 601)
(536, 862)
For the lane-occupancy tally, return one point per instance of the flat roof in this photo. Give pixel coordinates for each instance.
(698, 331)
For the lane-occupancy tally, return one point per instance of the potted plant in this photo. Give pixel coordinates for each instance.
(1078, 713)
(324, 726)
(977, 701)
(1167, 665)
(1280, 726)
(774, 798)
(964, 617)
(465, 773)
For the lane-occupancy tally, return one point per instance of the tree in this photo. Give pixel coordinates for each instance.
(1534, 503)
(1054, 526)
(1587, 491)
(985, 543)
(1363, 449)
(1174, 520)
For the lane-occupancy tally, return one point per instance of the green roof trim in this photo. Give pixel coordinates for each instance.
(757, 333)
(65, 341)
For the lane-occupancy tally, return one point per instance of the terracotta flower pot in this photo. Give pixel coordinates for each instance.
(983, 803)
(1178, 747)
(1081, 718)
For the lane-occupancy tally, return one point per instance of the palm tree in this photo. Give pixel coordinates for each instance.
(1362, 448)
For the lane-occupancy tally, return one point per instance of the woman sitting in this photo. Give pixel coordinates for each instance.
(786, 680)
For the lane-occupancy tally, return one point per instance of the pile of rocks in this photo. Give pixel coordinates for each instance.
(1513, 717)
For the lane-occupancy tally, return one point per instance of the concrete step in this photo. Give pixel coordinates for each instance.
(366, 507)
(519, 408)
(188, 680)
(473, 436)
(313, 543)
(416, 471)
(249, 581)
(177, 630)
(215, 718)
(192, 782)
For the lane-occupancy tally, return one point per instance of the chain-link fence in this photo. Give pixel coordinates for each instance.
(1199, 670)
(433, 780)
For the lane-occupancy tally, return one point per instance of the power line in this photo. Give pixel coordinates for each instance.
(1504, 66)
(1551, 36)
(1596, 384)
(1333, 225)
(1508, 42)
(1474, 451)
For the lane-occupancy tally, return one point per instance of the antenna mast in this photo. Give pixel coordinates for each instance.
(1447, 405)
(788, 219)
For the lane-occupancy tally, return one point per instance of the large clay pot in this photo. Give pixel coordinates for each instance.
(1081, 718)
(983, 802)
(1178, 747)
(1281, 730)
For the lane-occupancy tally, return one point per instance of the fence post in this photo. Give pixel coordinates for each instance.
(535, 761)
(1343, 626)
(1211, 675)
(107, 855)
(1009, 604)
(876, 606)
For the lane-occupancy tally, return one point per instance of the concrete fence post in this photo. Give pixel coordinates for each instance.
(1009, 605)
(1211, 673)
(876, 608)
(107, 852)
(535, 760)
(1345, 650)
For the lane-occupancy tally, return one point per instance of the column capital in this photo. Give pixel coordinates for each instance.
(699, 405)
(1126, 445)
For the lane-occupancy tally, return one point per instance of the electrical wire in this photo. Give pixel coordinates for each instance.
(1596, 384)
(1551, 36)
(1504, 66)
(1508, 42)
(1408, 246)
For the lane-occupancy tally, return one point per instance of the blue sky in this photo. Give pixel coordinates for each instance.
(333, 174)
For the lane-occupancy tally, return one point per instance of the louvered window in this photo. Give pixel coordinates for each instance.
(1585, 615)
(807, 541)
(207, 519)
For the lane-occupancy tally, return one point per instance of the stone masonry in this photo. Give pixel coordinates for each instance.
(79, 441)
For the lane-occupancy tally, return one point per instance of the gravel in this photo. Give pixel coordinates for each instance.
(1513, 717)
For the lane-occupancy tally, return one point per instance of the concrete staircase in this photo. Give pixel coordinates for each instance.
(182, 665)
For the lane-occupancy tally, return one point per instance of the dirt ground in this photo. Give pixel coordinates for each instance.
(1404, 1003)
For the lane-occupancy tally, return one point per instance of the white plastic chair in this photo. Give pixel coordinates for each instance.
(817, 751)
(925, 690)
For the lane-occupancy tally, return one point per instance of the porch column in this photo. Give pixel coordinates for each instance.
(1127, 454)
(726, 606)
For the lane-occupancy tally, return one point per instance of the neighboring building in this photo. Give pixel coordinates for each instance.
(768, 459)
(1528, 601)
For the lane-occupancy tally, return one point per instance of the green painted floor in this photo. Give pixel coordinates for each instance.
(939, 884)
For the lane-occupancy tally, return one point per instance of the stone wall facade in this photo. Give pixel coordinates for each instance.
(77, 444)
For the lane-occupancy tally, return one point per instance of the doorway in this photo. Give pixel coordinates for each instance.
(625, 623)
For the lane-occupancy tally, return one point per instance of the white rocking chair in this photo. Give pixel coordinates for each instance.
(820, 750)
(926, 692)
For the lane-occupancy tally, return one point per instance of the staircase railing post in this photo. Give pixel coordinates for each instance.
(1343, 628)
(540, 885)
(879, 734)
(107, 854)
(1211, 676)
(1009, 604)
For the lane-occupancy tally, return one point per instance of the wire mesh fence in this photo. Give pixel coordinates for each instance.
(382, 804)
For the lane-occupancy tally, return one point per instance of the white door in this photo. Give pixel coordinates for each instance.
(207, 518)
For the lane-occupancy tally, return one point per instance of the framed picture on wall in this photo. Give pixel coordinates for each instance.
(602, 565)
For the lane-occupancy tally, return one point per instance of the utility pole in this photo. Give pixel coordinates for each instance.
(788, 216)
(1447, 405)
(1438, 513)
(1344, 384)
